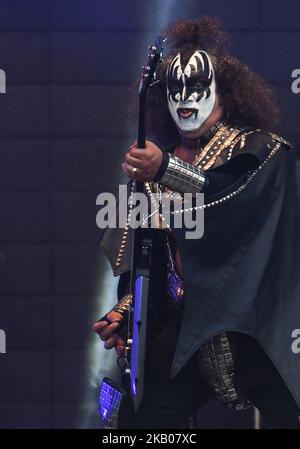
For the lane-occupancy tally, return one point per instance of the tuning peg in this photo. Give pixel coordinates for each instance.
(152, 47)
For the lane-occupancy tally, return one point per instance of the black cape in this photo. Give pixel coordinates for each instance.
(243, 274)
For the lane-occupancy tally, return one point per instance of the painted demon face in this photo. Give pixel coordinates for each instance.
(191, 90)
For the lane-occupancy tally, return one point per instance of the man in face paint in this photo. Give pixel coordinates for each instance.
(195, 109)
(229, 272)
(194, 106)
(191, 91)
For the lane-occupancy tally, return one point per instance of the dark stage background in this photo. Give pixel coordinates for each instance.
(63, 129)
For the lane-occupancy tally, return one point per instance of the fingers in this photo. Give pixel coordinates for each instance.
(139, 153)
(110, 342)
(133, 145)
(145, 160)
(114, 316)
(120, 346)
(127, 169)
(104, 326)
(106, 333)
(99, 326)
(117, 342)
(133, 161)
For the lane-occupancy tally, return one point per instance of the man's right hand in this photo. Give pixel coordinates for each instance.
(108, 332)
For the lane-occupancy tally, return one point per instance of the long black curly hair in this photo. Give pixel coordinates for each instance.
(245, 96)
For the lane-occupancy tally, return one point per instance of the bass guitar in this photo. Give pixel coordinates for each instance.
(143, 243)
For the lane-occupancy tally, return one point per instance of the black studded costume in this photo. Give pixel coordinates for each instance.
(225, 316)
(241, 286)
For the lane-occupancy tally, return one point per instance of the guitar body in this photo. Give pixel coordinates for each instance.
(162, 330)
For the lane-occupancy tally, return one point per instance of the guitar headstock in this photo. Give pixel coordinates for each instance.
(149, 69)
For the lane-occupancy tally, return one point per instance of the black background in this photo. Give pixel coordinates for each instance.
(63, 129)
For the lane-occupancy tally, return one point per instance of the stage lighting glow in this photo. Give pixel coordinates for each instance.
(100, 362)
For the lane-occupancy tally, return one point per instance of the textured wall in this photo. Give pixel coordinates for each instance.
(63, 128)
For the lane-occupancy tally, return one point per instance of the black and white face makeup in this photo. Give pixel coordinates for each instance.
(191, 90)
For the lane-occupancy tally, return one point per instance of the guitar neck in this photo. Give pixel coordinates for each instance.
(141, 137)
